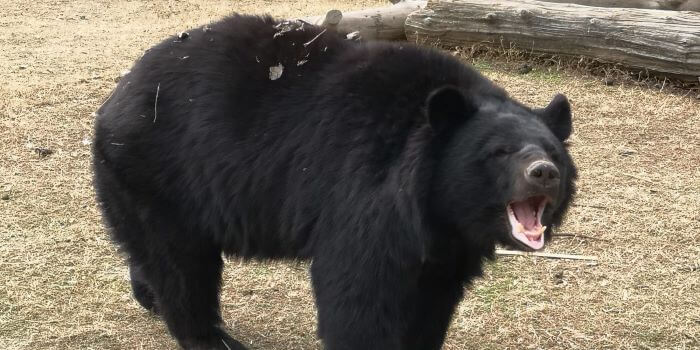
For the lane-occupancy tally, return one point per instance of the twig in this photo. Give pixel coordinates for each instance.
(155, 105)
(576, 235)
(546, 255)
(639, 178)
(314, 39)
(590, 206)
(663, 85)
(107, 99)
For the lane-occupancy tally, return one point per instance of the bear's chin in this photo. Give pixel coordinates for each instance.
(525, 219)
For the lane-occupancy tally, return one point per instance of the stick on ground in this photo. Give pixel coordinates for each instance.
(546, 255)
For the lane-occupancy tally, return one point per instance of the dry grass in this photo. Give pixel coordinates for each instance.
(64, 286)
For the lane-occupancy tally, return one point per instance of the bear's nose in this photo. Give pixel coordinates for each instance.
(543, 173)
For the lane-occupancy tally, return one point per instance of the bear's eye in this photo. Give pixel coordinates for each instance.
(555, 157)
(552, 152)
(502, 151)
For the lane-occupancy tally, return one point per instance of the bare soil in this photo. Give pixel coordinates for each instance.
(64, 286)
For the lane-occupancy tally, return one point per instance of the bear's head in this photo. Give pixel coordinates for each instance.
(503, 173)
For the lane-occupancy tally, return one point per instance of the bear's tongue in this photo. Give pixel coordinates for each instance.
(524, 217)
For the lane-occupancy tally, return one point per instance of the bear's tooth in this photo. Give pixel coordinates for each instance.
(520, 228)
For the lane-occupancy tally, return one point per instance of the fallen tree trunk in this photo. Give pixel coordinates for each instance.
(638, 4)
(654, 40)
(383, 23)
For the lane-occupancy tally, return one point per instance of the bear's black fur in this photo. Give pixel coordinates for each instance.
(391, 166)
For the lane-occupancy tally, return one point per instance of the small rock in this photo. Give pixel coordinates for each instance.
(609, 81)
(697, 97)
(43, 152)
(83, 17)
(524, 69)
(183, 35)
(5, 196)
(559, 277)
(22, 66)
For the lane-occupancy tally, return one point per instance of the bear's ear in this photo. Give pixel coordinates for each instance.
(557, 116)
(446, 106)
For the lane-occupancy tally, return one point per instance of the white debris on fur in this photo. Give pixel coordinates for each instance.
(301, 63)
(353, 36)
(285, 27)
(276, 71)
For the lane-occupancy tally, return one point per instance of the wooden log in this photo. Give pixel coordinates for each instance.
(638, 4)
(690, 5)
(383, 23)
(673, 5)
(659, 41)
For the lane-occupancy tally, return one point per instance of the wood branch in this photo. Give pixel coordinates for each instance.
(690, 5)
(383, 23)
(637, 4)
(659, 41)
(546, 255)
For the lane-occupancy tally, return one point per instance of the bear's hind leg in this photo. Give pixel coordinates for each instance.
(176, 272)
(185, 278)
(142, 291)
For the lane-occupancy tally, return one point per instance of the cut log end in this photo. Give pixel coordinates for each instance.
(332, 19)
(384, 23)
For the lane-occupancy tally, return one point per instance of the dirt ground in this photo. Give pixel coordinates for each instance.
(64, 286)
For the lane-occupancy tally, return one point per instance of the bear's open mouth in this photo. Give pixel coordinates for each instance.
(525, 221)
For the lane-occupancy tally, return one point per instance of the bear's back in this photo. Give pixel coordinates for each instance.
(251, 125)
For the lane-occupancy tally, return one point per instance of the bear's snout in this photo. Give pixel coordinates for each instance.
(543, 174)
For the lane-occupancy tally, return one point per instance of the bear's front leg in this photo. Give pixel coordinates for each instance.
(362, 302)
(439, 292)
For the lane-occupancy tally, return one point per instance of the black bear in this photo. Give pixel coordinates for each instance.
(396, 169)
